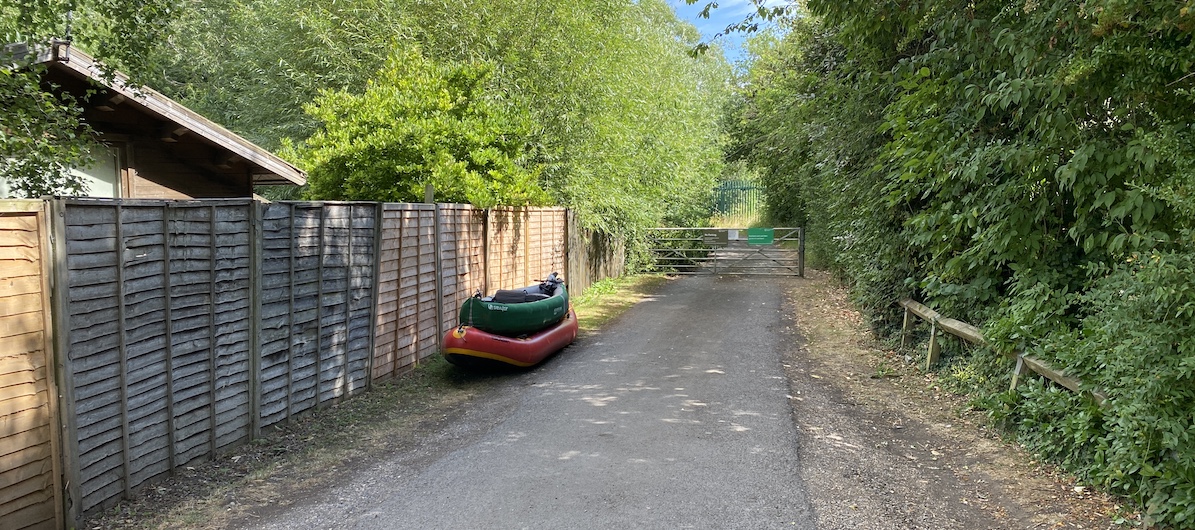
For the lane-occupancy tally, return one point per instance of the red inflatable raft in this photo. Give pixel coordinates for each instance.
(469, 347)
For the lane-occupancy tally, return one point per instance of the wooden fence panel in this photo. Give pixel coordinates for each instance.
(546, 236)
(462, 258)
(406, 320)
(317, 302)
(525, 245)
(502, 248)
(156, 312)
(29, 447)
(506, 248)
(535, 229)
(592, 256)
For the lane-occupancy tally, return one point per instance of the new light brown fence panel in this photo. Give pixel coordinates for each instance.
(405, 322)
(29, 448)
(157, 315)
(546, 237)
(506, 248)
(317, 304)
(462, 258)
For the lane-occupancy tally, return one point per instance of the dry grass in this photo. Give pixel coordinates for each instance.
(736, 221)
(845, 355)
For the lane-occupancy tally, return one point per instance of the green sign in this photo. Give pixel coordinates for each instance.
(760, 236)
(715, 238)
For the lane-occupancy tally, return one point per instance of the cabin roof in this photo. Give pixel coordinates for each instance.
(265, 167)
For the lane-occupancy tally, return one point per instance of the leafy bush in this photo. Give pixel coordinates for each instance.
(417, 123)
(1136, 342)
(1027, 166)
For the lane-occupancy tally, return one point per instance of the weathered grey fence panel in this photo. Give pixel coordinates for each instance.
(158, 295)
(592, 256)
(317, 294)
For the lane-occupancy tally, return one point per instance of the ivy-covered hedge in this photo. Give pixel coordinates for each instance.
(1027, 165)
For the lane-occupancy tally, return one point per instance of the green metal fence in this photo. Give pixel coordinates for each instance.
(738, 198)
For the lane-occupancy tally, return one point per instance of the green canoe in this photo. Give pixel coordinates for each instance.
(518, 312)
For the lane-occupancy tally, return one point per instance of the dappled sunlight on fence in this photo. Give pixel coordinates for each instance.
(183, 328)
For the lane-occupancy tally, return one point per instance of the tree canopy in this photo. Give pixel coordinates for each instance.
(595, 105)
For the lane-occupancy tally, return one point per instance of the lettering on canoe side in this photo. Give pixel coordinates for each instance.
(495, 307)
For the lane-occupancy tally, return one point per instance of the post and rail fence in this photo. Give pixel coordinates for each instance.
(973, 335)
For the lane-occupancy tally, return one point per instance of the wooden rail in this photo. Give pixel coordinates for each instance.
(973, 335)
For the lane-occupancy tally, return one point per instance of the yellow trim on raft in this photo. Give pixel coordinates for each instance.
(486, 355)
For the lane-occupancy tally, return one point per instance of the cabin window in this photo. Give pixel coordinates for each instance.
(102, 178)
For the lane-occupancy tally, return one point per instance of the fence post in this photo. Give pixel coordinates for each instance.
(801, 253)
(255, 323)
(319, 301)
(1017, 372)
(293, 249)
(934, 350)
(66, 388)
(345, 391)
(904, 329)
(485, 251)
(122, 341)
(168, 330)
(438, 259)
(376, 292)
(213, 351)
(526, 235)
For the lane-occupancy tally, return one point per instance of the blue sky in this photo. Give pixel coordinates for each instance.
(728, 12)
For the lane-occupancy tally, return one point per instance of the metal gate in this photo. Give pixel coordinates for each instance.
(729, 251)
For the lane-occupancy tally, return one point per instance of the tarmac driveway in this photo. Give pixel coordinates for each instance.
(675, 416)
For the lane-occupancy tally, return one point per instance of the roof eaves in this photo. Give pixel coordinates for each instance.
(63, 54)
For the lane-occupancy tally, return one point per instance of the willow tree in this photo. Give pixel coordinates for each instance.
(618, 119)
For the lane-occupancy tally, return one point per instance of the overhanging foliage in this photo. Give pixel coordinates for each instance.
(1023, 164)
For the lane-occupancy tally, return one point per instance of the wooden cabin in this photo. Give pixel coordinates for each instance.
(157, 148)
